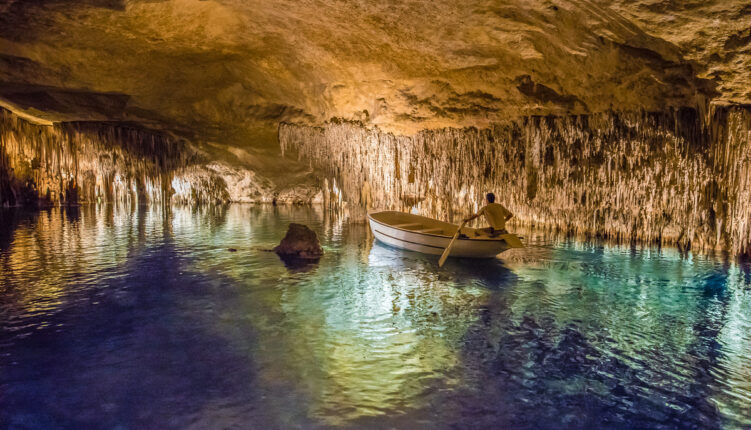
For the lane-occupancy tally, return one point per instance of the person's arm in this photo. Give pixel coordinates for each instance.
(509, 215)
(471, 217)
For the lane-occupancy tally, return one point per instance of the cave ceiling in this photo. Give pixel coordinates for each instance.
(226, 72)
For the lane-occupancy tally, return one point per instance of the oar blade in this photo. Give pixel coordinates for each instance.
(512, 240)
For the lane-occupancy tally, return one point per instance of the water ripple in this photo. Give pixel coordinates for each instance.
(111, 316)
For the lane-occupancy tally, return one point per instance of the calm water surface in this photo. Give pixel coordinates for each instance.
(137, 318)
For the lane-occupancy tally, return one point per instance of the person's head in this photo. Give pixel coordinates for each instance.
(490, 197)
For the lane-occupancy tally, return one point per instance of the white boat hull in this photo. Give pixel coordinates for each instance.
(432, 243)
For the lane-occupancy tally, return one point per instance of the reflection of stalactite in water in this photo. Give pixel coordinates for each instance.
(659, 177)
(84, 162)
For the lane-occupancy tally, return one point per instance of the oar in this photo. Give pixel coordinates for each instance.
(512, 240)
(446, 252)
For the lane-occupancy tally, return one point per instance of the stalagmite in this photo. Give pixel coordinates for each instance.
(673, 177)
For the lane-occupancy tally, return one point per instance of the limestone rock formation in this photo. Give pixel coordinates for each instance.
(300, 242)
(71, 163)
(80, 162)
(620, 118)
(228, 72)
(673, 177)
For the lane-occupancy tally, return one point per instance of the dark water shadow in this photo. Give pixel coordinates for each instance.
(10, 220)
(491, 272)
(542, 369)
(72, 213)
(140, 350)
(545, 376)
(299, 265)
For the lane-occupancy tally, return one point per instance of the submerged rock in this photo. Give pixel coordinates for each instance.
(300, 242)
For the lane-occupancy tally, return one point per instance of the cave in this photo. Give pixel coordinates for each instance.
(523, 214)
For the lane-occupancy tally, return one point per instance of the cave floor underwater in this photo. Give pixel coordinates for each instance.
(140, 317)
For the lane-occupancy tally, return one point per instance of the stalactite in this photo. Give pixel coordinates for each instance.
(655, 177)
(197, 185)
(219, 182)
(101, 162)
(84, 162)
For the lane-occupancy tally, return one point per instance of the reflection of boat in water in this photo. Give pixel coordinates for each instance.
(430, 236)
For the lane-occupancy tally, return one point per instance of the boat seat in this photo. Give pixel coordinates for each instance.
(430, 230)
(407, 225)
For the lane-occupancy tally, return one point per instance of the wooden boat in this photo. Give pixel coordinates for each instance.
(430, 236)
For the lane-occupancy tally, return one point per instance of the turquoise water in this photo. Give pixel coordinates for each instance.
(141, 318)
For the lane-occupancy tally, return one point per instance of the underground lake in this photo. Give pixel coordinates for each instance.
(356, 214)
(119, 316)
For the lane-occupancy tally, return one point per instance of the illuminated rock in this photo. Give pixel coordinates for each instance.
(673, 177)
(229, 72)
(439, 101)
(82, 162)
(73, 163)
(300, 242)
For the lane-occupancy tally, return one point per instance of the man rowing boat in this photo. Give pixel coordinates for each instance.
(495, 213)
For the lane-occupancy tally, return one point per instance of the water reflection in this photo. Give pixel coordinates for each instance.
(53, 249)
(387, 330)
(139, 317)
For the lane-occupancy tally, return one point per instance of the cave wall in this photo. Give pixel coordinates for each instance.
(680, 177)
(73, 163)
(86, 162)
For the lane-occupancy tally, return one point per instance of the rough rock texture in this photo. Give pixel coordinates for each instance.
(228, 71)
(78, 162)
(715, 34)
(672, 177)
(300, 242)
(70, 163)
(222, 74)
(220, 182)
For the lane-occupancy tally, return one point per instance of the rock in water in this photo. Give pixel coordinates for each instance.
(300, 242)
